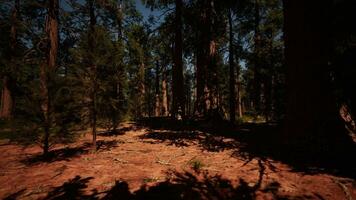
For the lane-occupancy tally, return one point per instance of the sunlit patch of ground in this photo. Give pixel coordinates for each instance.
(139, 163)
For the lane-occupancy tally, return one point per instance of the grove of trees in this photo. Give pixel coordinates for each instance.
(68, 65)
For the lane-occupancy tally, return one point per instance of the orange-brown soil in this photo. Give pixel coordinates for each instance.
(142, 163)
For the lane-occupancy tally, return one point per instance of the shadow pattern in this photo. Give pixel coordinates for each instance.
(180, 185)
(120, 131)
(72, 189)
(67, 153)
(255, 141)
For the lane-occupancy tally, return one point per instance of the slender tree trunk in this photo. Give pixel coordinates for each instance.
(200, 102)
(232, 71)
(239, 101)
(48, 67)
(177, 77)
(7, 101)
(164, 93)
(157, 100)
(142, 91)
(117, 83)
(269, 83)
(257, 58)
(93, 71)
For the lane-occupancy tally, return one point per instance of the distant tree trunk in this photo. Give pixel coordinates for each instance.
(239, 100)
(177, 76)
(312, 115)
(93, 70)
(49, 66)
(7, 101)
(232, 96)
(257, 61)
(117, 84)
(238, 89)
(157, 99)
(200, 102)
(268, 82)
(142, 91)
(164, 93)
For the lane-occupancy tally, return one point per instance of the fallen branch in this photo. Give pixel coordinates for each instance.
(120, 160)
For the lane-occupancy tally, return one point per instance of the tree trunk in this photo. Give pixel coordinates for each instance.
(232, 96)
(157, 100)
(48, 67)
(268, 83)
(212, 86)
(200, 102)
(142, 91)
(7, 101)
(117, 83)
(257, 61)
(93, 71)
(312, 117)
(178, 107)
(239, 101)
(207, 79)
(164, 93)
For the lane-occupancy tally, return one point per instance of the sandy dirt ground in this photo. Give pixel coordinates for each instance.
(142, 163)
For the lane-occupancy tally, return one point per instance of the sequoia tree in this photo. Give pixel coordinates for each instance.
(312, 115)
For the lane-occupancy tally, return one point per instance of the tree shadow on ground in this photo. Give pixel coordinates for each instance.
(257, 141)
(104, 145)
(72, 189)
(187, 186)
(179, 185)
(206, 141)
(176, 138)
(15, 195)
(120, 131)
(67, 153)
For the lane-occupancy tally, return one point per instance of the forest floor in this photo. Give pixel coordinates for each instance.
(141, 162)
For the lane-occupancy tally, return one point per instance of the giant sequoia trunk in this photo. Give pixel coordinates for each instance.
(312, 116)
(212, 58)
(207, 91)
(6, 101)
(178, 82)
(49, 66)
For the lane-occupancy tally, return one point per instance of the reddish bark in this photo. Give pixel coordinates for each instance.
(7, 101)
(48, 66)
(177, 77)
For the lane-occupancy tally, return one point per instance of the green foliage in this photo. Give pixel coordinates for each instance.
(196, 165)
(127, 50)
